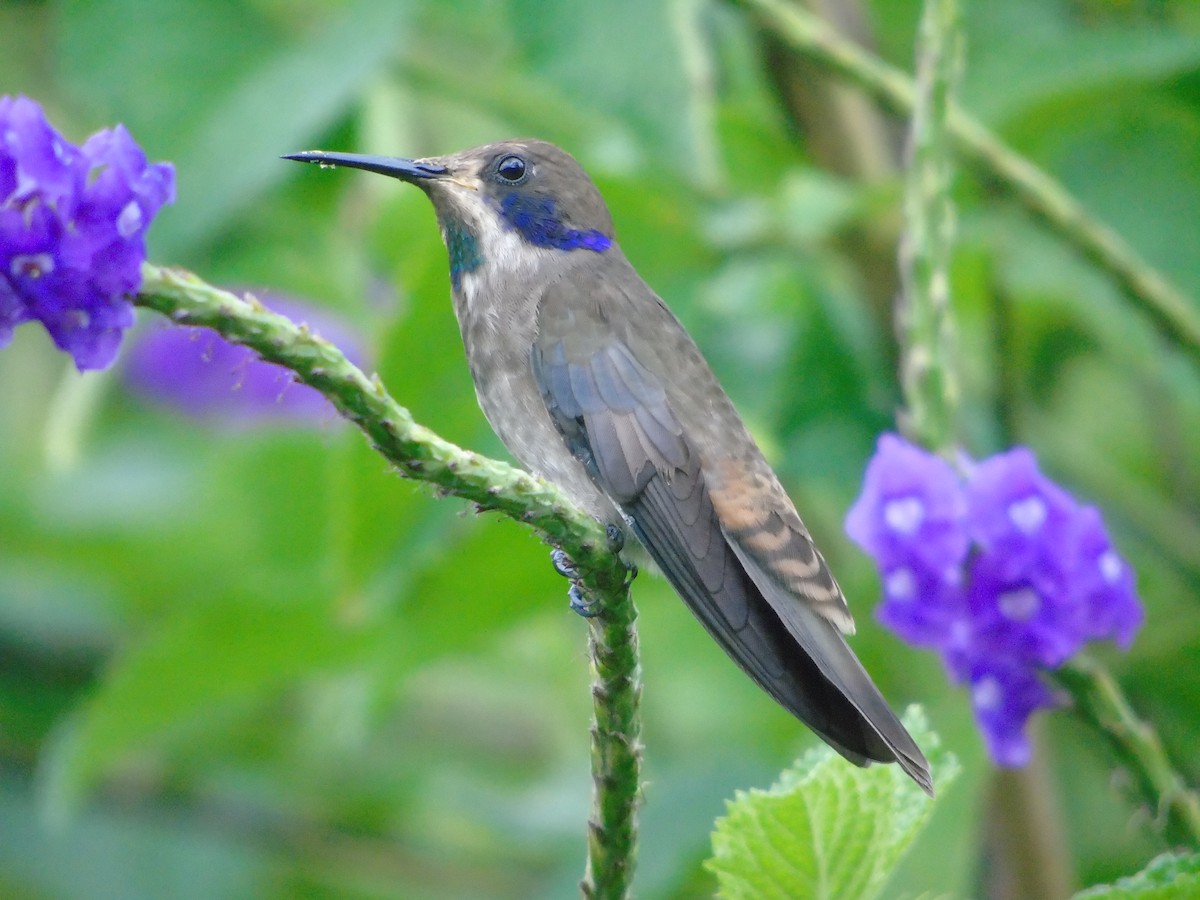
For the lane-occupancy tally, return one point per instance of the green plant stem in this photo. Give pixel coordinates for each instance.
(616, 754)
(1024, 850)
(924, 320)
(418, 453)
(1137, 748)
(1041, 194)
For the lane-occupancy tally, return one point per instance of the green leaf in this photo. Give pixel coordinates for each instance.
(1169, 876)
(826, 829)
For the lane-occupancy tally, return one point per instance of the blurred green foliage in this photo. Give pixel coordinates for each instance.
(254, 663)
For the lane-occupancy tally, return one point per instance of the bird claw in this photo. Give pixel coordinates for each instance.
(587, 609)
(565, 567)
(616, 538)
(563, 564)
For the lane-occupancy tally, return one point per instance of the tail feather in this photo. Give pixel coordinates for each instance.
(793, 653)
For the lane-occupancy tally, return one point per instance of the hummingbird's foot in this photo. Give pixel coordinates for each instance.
(565, 567)
(615, 535)
(563, 564)
(631, 570)
(585, 608)
(616, 538)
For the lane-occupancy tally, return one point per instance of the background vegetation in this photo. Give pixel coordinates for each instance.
(243, 661)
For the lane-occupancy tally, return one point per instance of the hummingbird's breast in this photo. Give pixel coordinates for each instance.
(497, 305)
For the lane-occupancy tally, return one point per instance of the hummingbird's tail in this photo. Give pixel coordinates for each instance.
(847, 695)
(794, 653)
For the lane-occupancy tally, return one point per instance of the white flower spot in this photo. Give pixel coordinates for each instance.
(1020, 605)
(1111, 566)
(905, 515)
(129, 220)
(960, 633)
(31, 265)
(1028, 514)
(986, 693)
(26, 185)
(900, 585)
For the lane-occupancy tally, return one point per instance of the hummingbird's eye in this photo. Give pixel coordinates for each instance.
(512, 169)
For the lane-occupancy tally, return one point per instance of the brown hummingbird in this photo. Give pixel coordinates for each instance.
(591, 382)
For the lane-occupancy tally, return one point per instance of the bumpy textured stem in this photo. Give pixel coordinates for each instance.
(418, 453)
(1041, 194)
(1137, 748)
(616, 754)
(924, 320)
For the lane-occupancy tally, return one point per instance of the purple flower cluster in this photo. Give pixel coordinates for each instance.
(72, 230)
(999, 569)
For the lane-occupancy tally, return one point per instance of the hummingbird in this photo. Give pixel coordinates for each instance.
(592, 382)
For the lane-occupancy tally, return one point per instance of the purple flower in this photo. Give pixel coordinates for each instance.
(920, 604)
(197, 371)
(1108, 600)
(1004, 695)
(910, 518)
(999, 569)
(1016, 512)
(911, 509)
(1031, 614)
(72, 230)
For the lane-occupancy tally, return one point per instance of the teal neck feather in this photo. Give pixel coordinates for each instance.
(463, 247)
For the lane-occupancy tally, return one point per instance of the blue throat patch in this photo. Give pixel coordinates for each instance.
(536, 218)
(463, 248)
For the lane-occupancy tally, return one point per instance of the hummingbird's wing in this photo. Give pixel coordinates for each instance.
(617, 418)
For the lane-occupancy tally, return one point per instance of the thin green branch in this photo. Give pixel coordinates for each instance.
(924, 320)
(616, 755)
(1137, 748)
(1041, 194)
(601, 577)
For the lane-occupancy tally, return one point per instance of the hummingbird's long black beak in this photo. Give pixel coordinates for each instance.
(404, 169)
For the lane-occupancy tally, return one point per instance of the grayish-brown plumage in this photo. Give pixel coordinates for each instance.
(590, 381)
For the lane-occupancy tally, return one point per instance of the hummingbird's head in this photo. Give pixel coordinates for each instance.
(506, 204)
